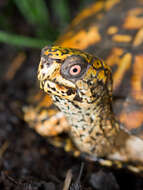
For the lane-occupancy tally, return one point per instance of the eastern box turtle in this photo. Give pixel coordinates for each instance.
(80, 84)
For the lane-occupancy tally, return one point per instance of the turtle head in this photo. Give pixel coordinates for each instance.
(73, 74)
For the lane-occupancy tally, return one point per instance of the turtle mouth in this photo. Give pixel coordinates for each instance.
(55, 88)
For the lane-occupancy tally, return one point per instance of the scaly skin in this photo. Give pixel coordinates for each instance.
(80, 84)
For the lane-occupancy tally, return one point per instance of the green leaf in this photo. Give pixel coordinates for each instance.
(18, 40)
(61, 9)
(36, 12)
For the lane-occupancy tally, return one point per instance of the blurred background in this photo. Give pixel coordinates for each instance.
(28, 23)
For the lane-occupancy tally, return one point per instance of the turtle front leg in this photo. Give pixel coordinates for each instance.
(46, 122)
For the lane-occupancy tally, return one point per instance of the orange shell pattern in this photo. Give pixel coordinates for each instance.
(112, 30)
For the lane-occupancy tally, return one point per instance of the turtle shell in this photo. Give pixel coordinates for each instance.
(113, 31)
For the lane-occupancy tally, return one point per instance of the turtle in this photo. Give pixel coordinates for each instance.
(94, 76)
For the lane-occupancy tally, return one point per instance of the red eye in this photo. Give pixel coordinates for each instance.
(75, 70)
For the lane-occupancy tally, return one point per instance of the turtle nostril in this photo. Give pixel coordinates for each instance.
(46, 62)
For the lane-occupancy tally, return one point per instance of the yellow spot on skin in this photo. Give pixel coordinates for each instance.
(121, 38)
(125, 63)
(101, 76)
(138, 38)
(112, 30)
(97, 65)
(132, 21)
(137, 78)
(90, 72)
(83, 39)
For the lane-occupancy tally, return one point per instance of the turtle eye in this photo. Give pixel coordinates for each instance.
(73, 67)
(75, 70)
